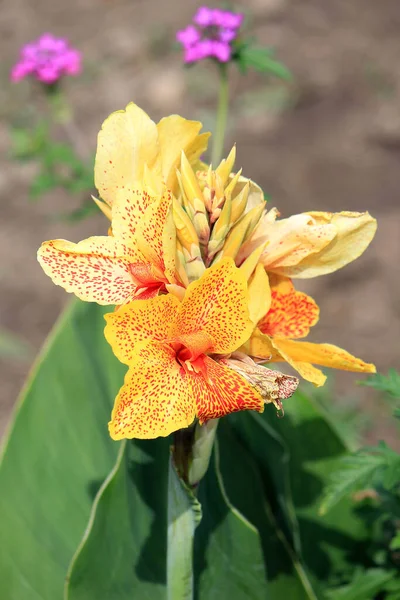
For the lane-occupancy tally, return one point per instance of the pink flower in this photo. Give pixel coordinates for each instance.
(47, 59)
(211, 35)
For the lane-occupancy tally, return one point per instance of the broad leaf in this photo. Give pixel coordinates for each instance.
(57, 455)
(295, 456)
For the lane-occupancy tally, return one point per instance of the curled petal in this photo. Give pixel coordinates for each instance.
(155, 399)
(217, 303)
(140, 321)
(291, 313)
(128, 141)
(95, 270)
(354, 232)
(224, 392)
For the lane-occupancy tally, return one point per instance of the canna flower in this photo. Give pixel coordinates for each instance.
(137, 261)
(178, 357)
(211, 35)
(230, 218)
(290, 317)
(47, 59)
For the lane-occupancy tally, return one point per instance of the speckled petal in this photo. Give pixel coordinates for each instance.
(291, 313)
(224, 392)
(128, 141)
(217, 303)
(142, 320)
(95, 270)
(155, 399)
(129, 212)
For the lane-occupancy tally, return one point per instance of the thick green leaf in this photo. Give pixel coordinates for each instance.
(295, 456)
(57, 455)
(284, 572)
(123, 553)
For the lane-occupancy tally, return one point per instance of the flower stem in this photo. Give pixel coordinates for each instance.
(222, 116)
(190, 457)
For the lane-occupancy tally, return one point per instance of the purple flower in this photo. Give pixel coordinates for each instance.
(47, 59)
(211, 35)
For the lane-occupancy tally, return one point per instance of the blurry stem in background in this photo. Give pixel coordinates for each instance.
(222, 116)
(62, 115)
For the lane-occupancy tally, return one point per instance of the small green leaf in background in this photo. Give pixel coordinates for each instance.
(390, 383)
(259, 59)
(364, 585)
(352, 473)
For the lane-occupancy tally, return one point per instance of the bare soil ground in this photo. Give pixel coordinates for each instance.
(330, 141)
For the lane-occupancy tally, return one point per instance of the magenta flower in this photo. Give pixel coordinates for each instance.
(47, 59)
(211, 35)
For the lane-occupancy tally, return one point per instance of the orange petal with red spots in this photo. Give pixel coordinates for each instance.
(217, 303)
(155, 399)
(142, 320)
(325, 355)
(223, 393)
(95, 270)
(291, 313)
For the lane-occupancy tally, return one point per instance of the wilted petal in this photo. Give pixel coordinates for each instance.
(354, 232)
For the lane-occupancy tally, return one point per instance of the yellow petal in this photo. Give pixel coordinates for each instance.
(326, 355)
(224, 392)
(140, 321)
(354, 232)
(218, 304)
(155, 399)
(260, 294)
(177, 134)
(260, 346)
(95, 270)
(226, 165)
(128, 140)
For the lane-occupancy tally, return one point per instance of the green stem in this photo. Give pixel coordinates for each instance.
(190, 457)
(222, 117)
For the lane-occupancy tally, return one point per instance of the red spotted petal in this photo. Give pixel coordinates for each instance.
(224, 392)
(291, 313)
